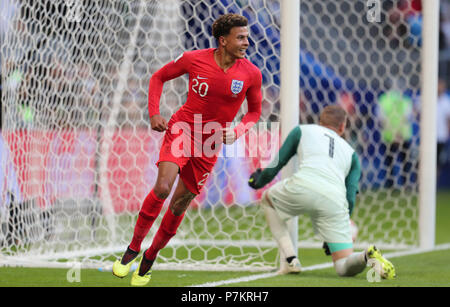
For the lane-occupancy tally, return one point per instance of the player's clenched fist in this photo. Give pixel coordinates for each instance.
(228, 136)
(158, 123)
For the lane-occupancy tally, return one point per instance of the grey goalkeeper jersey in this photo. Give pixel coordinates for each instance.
(327, 164)
(324, 161)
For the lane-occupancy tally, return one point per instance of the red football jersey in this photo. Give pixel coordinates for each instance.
(214, 94)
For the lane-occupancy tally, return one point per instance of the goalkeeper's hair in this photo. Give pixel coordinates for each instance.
(223, 25)
(333, 116)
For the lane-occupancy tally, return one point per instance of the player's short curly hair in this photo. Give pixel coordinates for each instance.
(225, 23)
(333, 115)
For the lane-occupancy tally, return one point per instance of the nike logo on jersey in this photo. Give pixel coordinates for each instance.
(179, 57)
(198, 77)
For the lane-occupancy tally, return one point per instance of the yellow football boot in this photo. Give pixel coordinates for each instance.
(122, 270)
(138, 280)
(380, 264)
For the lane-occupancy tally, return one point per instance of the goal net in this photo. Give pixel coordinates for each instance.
(78, 155)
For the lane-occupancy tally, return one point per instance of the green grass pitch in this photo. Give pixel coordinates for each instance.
(431, 269)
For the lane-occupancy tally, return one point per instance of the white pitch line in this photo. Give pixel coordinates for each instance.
(236, 280)
(260, 276)
(317, 267)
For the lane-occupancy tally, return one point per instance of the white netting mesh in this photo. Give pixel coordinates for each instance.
(78, 156)
(365, 55)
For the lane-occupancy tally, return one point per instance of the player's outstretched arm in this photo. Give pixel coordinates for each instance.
(289, 148)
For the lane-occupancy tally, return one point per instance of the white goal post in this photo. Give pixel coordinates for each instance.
(77, 155)
(430, 71)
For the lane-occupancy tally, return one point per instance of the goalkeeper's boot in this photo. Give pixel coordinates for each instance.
(122, 266)
(142, 278)
(293, 267)
(381, 265)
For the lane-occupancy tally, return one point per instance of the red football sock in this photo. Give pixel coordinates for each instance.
(166, 231)
(151, 207)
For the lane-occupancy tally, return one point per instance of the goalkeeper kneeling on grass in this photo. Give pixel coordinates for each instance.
(324, 187)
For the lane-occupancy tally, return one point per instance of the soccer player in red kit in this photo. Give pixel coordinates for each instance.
(219, 81)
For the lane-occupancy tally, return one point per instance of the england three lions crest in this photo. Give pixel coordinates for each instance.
(236, 86)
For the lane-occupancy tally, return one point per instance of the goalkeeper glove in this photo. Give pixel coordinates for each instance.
(326, 249)
(254, 178)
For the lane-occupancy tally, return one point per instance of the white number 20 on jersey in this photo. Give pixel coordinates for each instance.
(200, 88)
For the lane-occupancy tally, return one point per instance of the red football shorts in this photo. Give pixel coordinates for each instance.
(194, 167)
